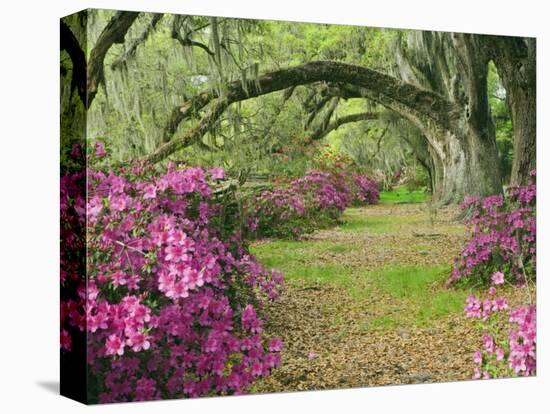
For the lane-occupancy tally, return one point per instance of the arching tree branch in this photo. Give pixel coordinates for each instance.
(414, 103)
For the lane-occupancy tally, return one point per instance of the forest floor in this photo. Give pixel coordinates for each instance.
(365, 303)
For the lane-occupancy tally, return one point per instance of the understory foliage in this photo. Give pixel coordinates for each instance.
(170, 307)
(501, 251)
(305, 204)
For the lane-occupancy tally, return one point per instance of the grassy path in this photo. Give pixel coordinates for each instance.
(365, 302)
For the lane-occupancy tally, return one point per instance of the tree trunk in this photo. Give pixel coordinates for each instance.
(464, 152)
(515, 60)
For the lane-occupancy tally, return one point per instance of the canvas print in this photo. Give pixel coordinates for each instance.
(254, 206)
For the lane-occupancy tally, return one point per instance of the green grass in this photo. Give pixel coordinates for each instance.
(401, 195)
(418, 288)
(307, 261)
(408, 281)
(383, 322)
(417, 297)
(303, 259)
(375, 224)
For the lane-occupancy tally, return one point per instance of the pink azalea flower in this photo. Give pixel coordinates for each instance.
(119, 278)
(497, 278)
(488, 343)
(256, 369)
(76, 151)
(117, 203)
(175, 253)
(478, 358)
(166, 281)
(275, 345)
(65, 340)
(311, 355)
(499, 304)
(114, 345)
(217, 173)
(99, 150)
(138, 341)
(150, 191)
(499, 354)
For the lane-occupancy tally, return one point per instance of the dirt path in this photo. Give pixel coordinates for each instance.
(350, 318)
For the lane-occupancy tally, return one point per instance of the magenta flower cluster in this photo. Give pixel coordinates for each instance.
(502, 249)
(170, 307)
(365, 190)
(505, 352)
(307, 203)
(327, 191)
(503, 235)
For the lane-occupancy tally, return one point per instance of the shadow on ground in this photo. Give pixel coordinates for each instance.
(50, 386)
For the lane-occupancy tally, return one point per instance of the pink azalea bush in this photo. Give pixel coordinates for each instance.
(313, 201)
(502, 250)
(171, 305)
(509, 337)
(503, 236)
(365, 190)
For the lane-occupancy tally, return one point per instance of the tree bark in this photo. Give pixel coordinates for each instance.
(69, 43)
(515, 60)
(464, 164)
(114, 32)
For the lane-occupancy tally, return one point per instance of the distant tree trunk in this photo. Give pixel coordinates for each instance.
(515, 60)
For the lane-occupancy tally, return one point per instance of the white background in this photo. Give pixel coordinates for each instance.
(29, 70)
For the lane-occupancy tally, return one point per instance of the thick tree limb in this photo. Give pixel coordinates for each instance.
(114, 32)
(131, 50)
(69, 43)
(409, 100)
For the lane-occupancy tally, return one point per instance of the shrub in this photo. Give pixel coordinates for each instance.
(501, 250)
(314, 201)
(503, 236)
(365, 190)
(170, 308)
(509, 336)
